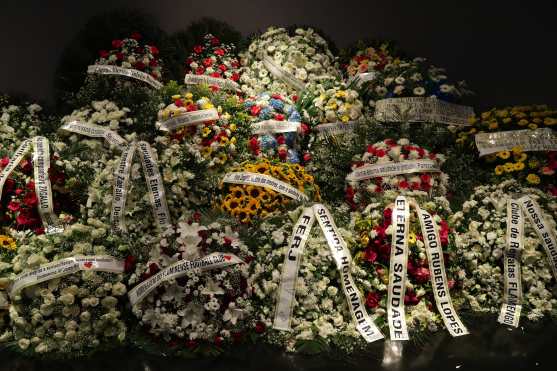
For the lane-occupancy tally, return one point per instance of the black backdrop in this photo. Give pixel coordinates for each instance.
(506, 50)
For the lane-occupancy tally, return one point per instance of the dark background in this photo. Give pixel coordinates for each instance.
(506, 50)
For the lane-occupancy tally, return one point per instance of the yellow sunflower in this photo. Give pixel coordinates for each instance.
(533, 179)
(7, 243)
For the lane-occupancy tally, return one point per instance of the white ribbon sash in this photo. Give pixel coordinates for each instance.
(422, 109)
(275, 127)
(290, 267)
(104, 69)
(335, 128)
(189, 119)
(282, 75)
(543, 139)
(512, 298)
(369, 171)
(94, 131)
(63, 267)
(343, 260)
(438, 276)
(153, 179)
(43, 188)
(360, 78)
(365, 326)
(225, 84)
(215, 260)
(397, 270)
(266, 181)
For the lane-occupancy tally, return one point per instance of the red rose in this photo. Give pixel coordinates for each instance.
(153, 63)
(30, 200)
(18, 191)
(8, 186)
(254, 144)
(370, 149)
(421, 151)
(215, 74)
(276, 96)
(191, 107)
(279, 117)
(387, 214)
(370, 255)
(451, 283)
(305, 128)
(380, 153)
(281, 139)
(219, 51)
(30, 185)
(294, 98)
(104, 54)
(218, 341)
(235, 76)
(415, 186)
(136, 36)
(260, 327)
(139, 65)
(25, 166)
(426, 178)
(403, 184)
(421, 275)
(307, 157)
(153, 269)
(14, 206)
(117, 44)
(410, 298)
(200, 70)
(197, 49)
(390, 142)
(223, 68)
(372, 299)
(129, 263)
(154, 50)
(215, 41)
(179, 103)
(119, 56)
(4, 161)
(39, 231)
(207, 62)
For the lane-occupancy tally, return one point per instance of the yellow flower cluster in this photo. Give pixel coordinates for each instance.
(510, 118)
(7, 243)
(248, 201)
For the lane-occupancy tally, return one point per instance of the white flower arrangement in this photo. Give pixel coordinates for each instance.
(75, 314)
(481, 244)
(208, 307)
(305, 55)
(17, 123)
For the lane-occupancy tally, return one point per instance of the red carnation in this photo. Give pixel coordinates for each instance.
(139, 65)
(4, 161)
(410, 298)
(119, 56)
(307, 157)
(219, 51)
(104, 54)
(403, 184)
(387, 214)
(281, 139)
(153, 63)
(279, 117)
(372, 299)
(235, 76)
(117, 44)
(179, 103)
(136, 36)
(218, 341)
(215, 74)
(380, 153)
(153, 269)
(8, 186)
(154, 50)
(215, 41)
(254, 144)
(197, 49)
(223, 68)
(200, 70)
(305, 128)
(370, 149)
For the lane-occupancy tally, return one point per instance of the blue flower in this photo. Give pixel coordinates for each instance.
(265, 113)
(294, 116)
(276, 104)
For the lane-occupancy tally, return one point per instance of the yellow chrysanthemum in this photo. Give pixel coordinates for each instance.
(188, 95)
(412, 238)
(532, 126)
(7, 243)
(206, 131)
(509, 167)
(519, 166)
(523, 122)
(517, 149)
(499, 170)
(533, 179)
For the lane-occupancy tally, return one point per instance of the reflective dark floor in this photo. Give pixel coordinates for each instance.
(489, 347)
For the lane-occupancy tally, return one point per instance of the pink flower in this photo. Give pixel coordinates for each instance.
(372, 299)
